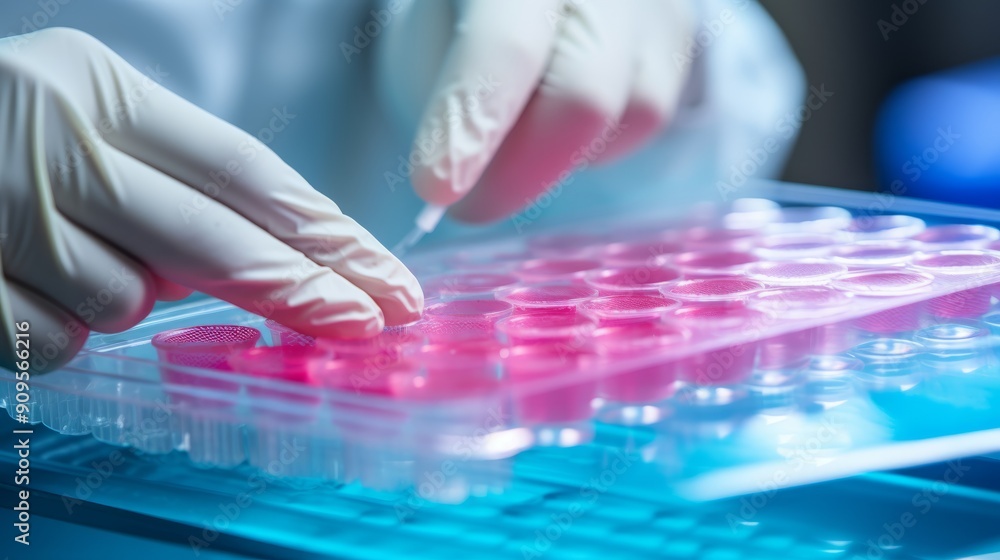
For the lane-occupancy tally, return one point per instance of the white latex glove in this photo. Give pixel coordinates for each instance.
(521, 92)
(116, 191)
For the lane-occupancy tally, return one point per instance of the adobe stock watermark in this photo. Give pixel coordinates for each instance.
(366, 33)
(581, 158)
(87, 311)
(231, 510)
(154, 424)
(785, 130)
(248, 150)
(41, 18)
(921, 503)
(590, 493)
(798, 458)
(898, 17)
(324, 246)
(122, 109)
(708, 33)
(433, 483)
(458, 110)
(913, 170)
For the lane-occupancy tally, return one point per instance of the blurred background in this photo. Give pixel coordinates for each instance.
(865, 50)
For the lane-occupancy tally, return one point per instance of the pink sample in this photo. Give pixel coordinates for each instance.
(206, 347)
(292, 364)
(565, 332)
(957, 236)
(805, 302)
(650, 377)
(884, 282)
(795, 273)
(713, 290)
(711, 264)
(457, 370)
(621, 309)
(547, 298)
(904, 318)
(470, 319)
(723, 366)
(388, 345)
(633, 279)
(965, 304)
(539, 398)
(957, 262)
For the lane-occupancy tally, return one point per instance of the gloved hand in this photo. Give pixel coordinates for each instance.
(521, 92)
(116, 191)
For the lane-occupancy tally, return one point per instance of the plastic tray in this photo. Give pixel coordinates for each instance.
(741, 343)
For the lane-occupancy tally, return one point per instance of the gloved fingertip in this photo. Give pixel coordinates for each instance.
(347, 328)
(436, 186)
(169, 291)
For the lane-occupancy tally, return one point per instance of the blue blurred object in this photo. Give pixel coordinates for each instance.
(936, 137)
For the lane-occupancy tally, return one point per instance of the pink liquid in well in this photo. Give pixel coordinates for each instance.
(645, 344)
(479, 285)
(888, 283)
(526, 367)
(884, 282)
(457, 370)
(875, 254)
(724, 366)
(967, 304)
(284, 336)
(388, 345)
(957, 263)
(284, 363)
(547, 298)
(711, 264)
(900, 319)
(561, 331)
(204, 347)
(804, 302)
(293, 364)
(957, 236)
(555, 270)
(635, 280)
(713, 290)
(460, 320)
(357, 377)
(624, 309)
(795, 272)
